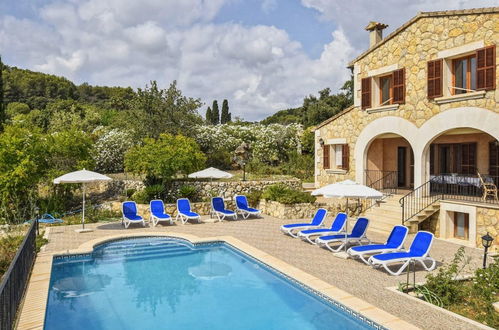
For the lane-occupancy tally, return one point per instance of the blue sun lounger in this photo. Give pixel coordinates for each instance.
(394, 243)
(418, 251)
(49, 218)
(218, 209)
(157, 209)
(129, 210)
(357, 236)
(184, 211)
(337, 227)
(317, 222)
(242, 207)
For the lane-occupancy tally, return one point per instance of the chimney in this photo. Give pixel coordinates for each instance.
(375, 32)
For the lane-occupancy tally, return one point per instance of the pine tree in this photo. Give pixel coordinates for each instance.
(2, 107)
(225, 117)
(209, 116)
(215, 113)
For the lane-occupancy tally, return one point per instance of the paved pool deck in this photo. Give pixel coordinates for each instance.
(347, 275)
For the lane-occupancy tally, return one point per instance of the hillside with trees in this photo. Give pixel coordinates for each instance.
(315, 109)
(51, 126)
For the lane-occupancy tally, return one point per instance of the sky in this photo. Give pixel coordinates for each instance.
(261, 55)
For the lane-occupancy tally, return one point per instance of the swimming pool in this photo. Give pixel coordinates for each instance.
(166, 283)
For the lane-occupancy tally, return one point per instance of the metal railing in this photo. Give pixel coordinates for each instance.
(15, 280)
(384, 181)
(418, 200)
(455, 187)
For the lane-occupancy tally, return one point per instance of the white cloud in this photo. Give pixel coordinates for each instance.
(259, 69)
(268, 6)
(353, 16)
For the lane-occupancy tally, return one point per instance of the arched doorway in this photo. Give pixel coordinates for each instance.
(389, 163)
(462, 152)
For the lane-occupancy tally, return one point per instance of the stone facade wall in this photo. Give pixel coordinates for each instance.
(432, 224)
(411, 49)
(487, 220)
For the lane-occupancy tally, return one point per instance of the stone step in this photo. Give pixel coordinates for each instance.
(384, 215)
(382, 227)
(391, 222)
(391, 206)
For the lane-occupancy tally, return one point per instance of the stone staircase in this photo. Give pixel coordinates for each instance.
(386, 215)
(389, 213)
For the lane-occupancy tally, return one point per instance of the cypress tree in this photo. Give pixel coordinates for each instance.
(2, 107)
(209, 116)
(225, 117)
(215, 113)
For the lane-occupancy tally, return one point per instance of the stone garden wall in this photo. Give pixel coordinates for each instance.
(202, 208)
(272, 208)
(205, 189)
(228, 189)
(487, 220)
(297, 211)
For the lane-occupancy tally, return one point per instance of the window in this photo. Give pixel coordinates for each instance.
(473, 72)
(455, 158)
(486, 68)
(435, 73)
(366, 93)
(464, 74)
(385, 90)
(339, 160)
(391, 89)
(468, 158)
(494, 159)
(325, 156)
(461, 225)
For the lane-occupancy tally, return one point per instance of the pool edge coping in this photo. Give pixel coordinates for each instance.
(32, 314)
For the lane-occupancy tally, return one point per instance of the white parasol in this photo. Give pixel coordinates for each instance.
(210, 173)
(348, 189)
(82, 177)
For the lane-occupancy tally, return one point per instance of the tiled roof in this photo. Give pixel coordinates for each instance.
(475, 11)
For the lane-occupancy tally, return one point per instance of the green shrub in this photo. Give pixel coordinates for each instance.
(187, 191)
(140, 197)
(444, 284)
(485, 292)
(286, 195)
(92, 215)
(254, 197)
(129, 192)
(155, 191)
(8, 248)
(470, 298)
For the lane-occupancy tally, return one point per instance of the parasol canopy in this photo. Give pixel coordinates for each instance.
(210, 173)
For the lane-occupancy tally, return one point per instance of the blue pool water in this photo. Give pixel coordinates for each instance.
(163, 283)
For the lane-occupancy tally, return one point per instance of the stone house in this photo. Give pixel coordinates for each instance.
(424, 125)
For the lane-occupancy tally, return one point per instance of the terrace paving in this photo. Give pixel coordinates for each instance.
(349, 275)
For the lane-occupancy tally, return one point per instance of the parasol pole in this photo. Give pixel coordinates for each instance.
(83, 211)
(346, 232)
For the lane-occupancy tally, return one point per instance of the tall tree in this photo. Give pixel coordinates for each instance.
(215, 113)
(209, 116)
(225, 117)
(2, 106)
(153, 111)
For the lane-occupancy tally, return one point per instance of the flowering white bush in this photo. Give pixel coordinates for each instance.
(110, 150)
(269, 143)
